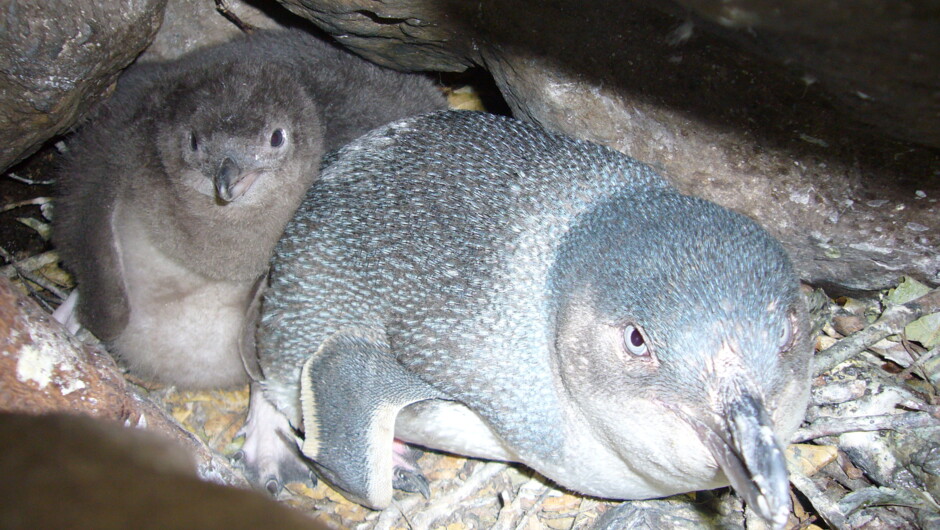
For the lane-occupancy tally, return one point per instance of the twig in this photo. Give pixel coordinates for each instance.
(918, 361)
(913, 351)
(388, 519)
(827, 509)
(30, 264)
(443, 506)
(533, 509)
(404, 515)
(224, 10)
(45, 284)
(891, 322)
(28, 181)
(807, 523)
(832, 426)
(933, 410)
(505, 516)
(38, 280)
(579, 517)
(36, 201)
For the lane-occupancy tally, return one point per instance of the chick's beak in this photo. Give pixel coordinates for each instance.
(225, 179)
(743, 442)
(231, 181)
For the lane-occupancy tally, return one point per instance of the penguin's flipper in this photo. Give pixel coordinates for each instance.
(103, 305)
(246, 343)
(352, 390)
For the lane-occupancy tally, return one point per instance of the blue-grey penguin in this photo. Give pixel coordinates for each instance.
(174, 194)
(474, 284)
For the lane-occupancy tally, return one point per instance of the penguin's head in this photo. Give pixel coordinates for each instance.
(241, 135)
(682, 339)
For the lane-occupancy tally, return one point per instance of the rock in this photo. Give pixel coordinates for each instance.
(902, 459)
(401, 34)
(822, 43)
(696, 96)
(57, 59)
(779, 112)
(45, 369)
(875, 496)
(846, 324)
(678, 512)
(191, 24)
(809, 459)
(69, 471)
(896, 90)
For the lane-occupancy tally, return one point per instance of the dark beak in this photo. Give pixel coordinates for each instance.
(743, 443)
(232, 181)
(225, 179)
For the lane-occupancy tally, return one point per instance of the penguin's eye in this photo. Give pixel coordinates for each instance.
(786, 335)
(634, 341)
(193, 142)
(277, 138)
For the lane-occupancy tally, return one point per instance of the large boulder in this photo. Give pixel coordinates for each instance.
(799, 115)
(45, 369)
(58, 58)
(785, 114)
(70, 471)
(192, 24)
(877, 59)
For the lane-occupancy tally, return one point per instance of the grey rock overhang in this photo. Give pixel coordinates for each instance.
(785, 114)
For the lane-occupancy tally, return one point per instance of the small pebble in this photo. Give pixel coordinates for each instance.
(845, 325)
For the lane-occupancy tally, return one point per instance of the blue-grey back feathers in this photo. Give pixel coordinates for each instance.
(503, 265)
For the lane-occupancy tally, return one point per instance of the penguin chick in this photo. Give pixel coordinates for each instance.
(173, 196)
(477, 285)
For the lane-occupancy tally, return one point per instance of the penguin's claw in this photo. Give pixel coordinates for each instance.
(411, 482)
(67, 313)
(272, 486)
(270, 457)
(406, 476)
(272, 474)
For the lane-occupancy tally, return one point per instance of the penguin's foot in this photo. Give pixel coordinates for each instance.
(270, 456)
(405, 473)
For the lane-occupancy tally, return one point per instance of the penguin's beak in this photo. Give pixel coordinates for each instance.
(231, 182)
(743, 442)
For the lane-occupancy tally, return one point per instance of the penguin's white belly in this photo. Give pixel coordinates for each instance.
(670, 465)
(451, 427)
(183, 328)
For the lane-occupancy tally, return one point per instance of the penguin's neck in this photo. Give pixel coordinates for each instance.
(220, 241)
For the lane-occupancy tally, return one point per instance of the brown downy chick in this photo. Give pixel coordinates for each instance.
(173, 196)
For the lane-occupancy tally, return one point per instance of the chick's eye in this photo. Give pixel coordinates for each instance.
(634, 341)
(193, 142)
(277, 138)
